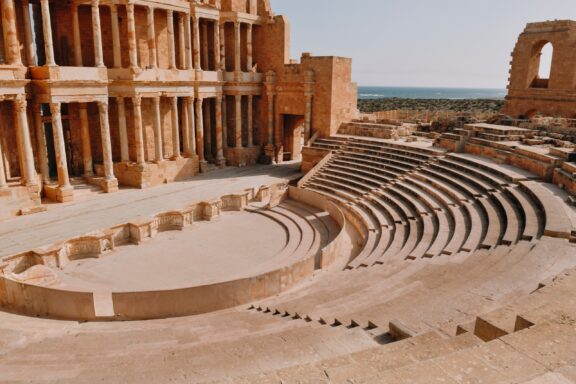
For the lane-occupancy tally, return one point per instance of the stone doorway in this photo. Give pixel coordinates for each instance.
(292, 136)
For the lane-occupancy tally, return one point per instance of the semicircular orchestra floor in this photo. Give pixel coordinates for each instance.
(205, 253)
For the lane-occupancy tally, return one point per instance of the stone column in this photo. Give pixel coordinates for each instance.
(132, 47)
(116, 47)
(185, 129)
(223, 46)
(309, 94)
(171, 39)
(237, 55)
(181, 42)
(250, 121)
(11, 41)
(85, 135)
(249, 47)
(271, 118)
(204, 57)
(106, 141)
(191, 125)
(224, 122)
(76, 36)
(29, 176)
(29, 43)
(200, 129)
(196, 42)
(41, 143)
(3, 184)
(124, 151)
(216, 46)
(158, 145)
(175, 129)
(188, 40)
(47, 28)
(60, 147)
(152, 39)
(208, 132)
(220, 160)
(97, 32)
(308, 118)
(238, 117)
(139, 131)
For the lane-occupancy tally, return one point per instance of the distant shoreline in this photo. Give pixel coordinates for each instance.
(488, 105)
(366, 92)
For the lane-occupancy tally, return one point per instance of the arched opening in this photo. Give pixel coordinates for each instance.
(542, 64)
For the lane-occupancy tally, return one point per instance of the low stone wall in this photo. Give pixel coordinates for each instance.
(16, 200)
(381, 131)
(311, 157)
(330, 252)
(151, 174)
(566, 177)
(40, 301)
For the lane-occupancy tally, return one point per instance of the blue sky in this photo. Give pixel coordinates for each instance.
(435, 43)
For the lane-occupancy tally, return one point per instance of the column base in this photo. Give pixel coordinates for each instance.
(221, 162)
(204, 166)
(243, 156)
(107, 185)
(59, 194)
(270, 153)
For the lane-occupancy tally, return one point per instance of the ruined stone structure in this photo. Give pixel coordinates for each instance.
(389, 256)
(140, 93)
(528, 94)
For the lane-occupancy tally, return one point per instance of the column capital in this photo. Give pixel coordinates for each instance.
(137, 100)
(20, 103)
(95, 3)
(102, 104)
(55, 108)
(170, 13)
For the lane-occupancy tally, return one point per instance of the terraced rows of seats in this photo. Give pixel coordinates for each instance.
(464, 272)
(420, 203)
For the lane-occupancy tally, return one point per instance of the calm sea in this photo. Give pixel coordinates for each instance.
(430, 93)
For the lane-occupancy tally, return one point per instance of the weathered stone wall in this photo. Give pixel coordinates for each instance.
(527, 94)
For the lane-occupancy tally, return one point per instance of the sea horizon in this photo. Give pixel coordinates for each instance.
(385, 92)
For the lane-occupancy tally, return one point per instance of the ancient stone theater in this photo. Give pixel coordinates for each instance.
(180, 202)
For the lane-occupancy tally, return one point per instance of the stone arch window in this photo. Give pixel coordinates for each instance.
(542, 57)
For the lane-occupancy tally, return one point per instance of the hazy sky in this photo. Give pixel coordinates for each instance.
(451, 43)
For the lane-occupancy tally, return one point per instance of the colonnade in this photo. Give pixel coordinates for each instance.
(191, 31)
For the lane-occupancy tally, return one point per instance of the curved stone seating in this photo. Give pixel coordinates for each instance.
(445, 272)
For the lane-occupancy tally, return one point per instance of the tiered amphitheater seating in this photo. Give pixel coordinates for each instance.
(464, 274)
(420, 203)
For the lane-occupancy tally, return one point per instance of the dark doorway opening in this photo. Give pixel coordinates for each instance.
(293, 136)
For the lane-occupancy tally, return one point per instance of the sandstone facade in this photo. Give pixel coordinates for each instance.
(140, 93)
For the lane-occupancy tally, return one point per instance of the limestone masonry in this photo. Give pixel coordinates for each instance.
(182, 203)
(139, 93)
(528, 94)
